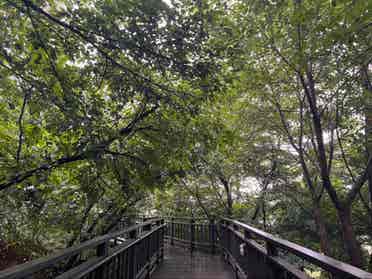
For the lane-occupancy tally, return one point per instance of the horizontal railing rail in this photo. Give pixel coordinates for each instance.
(132, 219)
(199, 219)
(192, 232)
(250, 259)
(130, 253)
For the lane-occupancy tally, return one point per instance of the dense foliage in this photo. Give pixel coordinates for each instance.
(259, 110)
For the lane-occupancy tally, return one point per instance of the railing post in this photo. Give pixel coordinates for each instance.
(235, 249)
(219, 232)
(228, 236)
(223, 240)
(147, 228)
(172, 231)
(235, 242)
(132, 257)
(133, 234)
(161, 240)
(247, 234)
(192, 234)
(212, 230)
(102, 251)
(271, 249)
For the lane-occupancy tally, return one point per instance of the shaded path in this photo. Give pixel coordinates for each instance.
(179, 264)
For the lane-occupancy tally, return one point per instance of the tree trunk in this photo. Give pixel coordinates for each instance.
(322, 230)
(368, 124)
(229, 203)
(344, 212)
(368, 134)
(264, 214)
(317, 213)
(229, 200)
(370, 195)
(351, 244)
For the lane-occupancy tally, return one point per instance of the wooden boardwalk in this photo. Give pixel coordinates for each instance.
(180, 264)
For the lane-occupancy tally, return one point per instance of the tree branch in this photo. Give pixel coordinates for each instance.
(359, 182)
(98, 148)
(20, 125)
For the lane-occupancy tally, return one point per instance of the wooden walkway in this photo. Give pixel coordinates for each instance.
(180, 264)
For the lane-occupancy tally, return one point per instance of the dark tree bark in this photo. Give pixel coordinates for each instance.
(366, 82)
(322, 230)
(316, 198)
(351, 244)
(343, 209)
(229, 200)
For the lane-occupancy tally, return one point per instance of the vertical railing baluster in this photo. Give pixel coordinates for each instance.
(212, 232)
(102, 251)
(162, 240)
(176, 227)
(192, 234)
(271, 249)
(180, 230)
(132, 268)
(235, 246)
(147, 247)
(173, 233)
(228, 236)
(120, 266)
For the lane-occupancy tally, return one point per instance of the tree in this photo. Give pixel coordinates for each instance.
(306, 69)
(89, 97)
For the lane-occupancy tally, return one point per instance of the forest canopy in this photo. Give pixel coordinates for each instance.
(256, 110)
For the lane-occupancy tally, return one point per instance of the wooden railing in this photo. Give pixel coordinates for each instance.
(130, 253)
(192, 232)
(134, 253)
(256, 254)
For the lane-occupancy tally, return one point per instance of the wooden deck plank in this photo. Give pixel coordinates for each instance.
(179, 263)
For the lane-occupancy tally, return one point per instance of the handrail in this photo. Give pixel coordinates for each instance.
(246, 232)
(186, 218)
(100, 243)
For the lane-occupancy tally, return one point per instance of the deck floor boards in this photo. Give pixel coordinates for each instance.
(180, 264)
